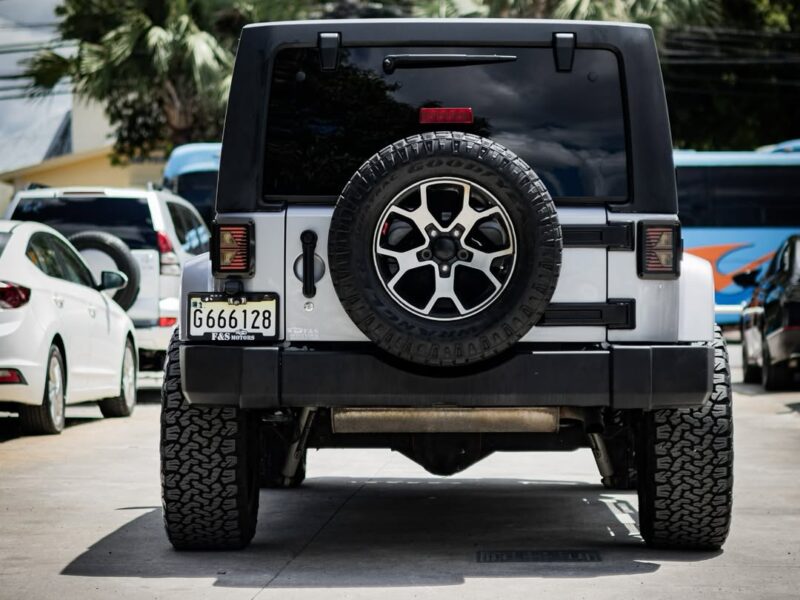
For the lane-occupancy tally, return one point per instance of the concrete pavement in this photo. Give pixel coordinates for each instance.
(80, 518)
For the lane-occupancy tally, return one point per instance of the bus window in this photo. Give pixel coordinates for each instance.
(755, 196)
(695, 208)
(739, 196)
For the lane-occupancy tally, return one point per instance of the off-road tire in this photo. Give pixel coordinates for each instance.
(686, 468)
(502, 323)
(750, 373)
(122, 256)
(621, 446)
(274, 449)
(209, 469)
(117, 407)
(774, 377)
(38, 420)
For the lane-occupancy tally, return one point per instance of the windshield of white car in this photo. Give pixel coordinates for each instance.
(127, 218)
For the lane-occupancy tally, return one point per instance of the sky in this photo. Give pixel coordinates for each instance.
(26, 126)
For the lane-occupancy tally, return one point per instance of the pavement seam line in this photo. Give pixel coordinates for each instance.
(310, 540)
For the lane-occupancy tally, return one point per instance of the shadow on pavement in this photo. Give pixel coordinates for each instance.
(10, 426)
(148, 396)
(406, 532)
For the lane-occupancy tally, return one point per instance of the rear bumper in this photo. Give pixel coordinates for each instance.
(149, 336)
(623, 377)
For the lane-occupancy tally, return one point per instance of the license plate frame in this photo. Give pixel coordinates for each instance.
(242, 335)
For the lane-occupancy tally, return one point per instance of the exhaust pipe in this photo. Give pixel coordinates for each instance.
(445, 420)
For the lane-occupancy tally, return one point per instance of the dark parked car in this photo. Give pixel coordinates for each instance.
(771, 320)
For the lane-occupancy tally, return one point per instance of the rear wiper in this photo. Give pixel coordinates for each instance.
(425, 61)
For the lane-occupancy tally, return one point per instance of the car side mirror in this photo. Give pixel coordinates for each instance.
(747, 279)
(112, 280)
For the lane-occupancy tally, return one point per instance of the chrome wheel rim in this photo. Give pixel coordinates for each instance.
(55, 390)
(129, 378)
(444, 249)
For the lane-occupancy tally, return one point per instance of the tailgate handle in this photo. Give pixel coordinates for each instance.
(309, 241)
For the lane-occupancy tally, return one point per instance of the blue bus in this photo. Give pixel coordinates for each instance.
(736, 208)
(191, 172)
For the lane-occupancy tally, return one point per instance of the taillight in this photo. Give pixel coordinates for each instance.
(233, 249)
(11, 376)
(167, 321)
(445, 115)
(170, 265)
(659, 250)
(13, 295)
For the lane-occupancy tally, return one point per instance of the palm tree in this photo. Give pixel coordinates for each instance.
(162, 77)
(659, 14)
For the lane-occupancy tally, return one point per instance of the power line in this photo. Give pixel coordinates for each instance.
(23, 25)
(14, 88)
(35, 47)
(28, 97)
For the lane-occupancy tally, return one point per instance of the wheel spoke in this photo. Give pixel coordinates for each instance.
(420, 216)
(406, 261)
(482, 261)
(444, 289)
(468, 216)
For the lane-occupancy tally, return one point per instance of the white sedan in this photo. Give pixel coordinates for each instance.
(62, 341)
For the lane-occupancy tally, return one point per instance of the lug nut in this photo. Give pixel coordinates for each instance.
(456, 233)
(426, 254)
(434, 233)
(445, 268)
(463, 255)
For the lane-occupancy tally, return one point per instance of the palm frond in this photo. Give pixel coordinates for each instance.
(159, 42)
(46, 69)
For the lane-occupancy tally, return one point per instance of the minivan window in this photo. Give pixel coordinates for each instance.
(127, 218)
(739, 196)
(569, 127)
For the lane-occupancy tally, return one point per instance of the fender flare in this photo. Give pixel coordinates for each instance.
(696, 297)
(196, 277)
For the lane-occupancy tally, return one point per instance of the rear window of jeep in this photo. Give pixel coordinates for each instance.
(569, 126)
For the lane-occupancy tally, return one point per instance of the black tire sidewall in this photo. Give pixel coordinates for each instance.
(473, 338)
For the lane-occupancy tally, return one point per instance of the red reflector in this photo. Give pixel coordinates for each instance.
(10, 376)
(13, 295)
(167, 321)
(445, 115)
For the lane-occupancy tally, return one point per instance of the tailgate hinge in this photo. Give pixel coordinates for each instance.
(328, 44)
(564, 51)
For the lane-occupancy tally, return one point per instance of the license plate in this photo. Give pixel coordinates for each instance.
(242, 318)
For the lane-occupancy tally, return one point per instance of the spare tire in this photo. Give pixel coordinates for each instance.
(444, 248)
(120, 254)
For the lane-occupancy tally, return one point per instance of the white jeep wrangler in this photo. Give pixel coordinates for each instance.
(447, 238)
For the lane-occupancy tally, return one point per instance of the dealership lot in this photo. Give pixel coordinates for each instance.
(81, 517)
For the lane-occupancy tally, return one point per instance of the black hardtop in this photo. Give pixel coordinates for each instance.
(651, 177)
